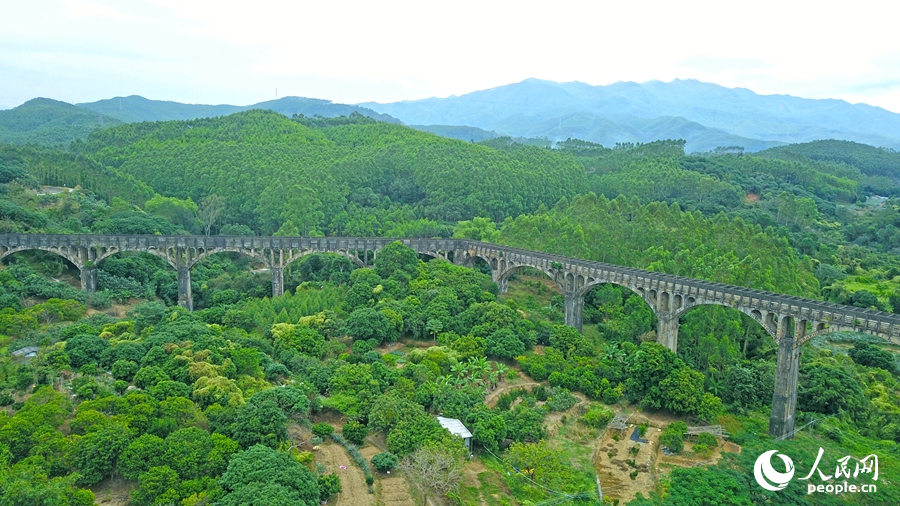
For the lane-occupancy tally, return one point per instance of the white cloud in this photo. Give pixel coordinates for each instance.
(352, 51)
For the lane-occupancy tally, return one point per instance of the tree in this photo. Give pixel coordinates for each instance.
(261, 476)
(504, 343)
(390, 409)
(682, 390)
(433, 468)
(384, 461)
(140, 455)
(490, 431)
(260, 424)
(355, 432)
(397, 261)
(329, 485)
(871, 356)
(410, 434)
(697, 487)
(367, 323)
(159, 485)
(539, 460)
(645, 370)
(97, 453)
(211, 208)
(85, 349)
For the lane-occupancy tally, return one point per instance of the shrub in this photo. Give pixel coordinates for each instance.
(560, 399)
(120, 386)
(707, 439)
(384, 461)
(355, 432)
(329, 485)
(673, 437)
(633, 474)
(610, 396)
(702, 450)
(642, 429)
(322, 429)
(597, 417)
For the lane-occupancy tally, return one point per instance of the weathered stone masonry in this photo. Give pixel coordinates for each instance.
(791, 321)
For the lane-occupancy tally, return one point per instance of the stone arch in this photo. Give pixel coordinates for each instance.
(61, 252)
(298, 254)
(595, 282)
(108, 252)
(767, 321)
(570, 282)
(504, 275)
(819, 329)
(215, 251)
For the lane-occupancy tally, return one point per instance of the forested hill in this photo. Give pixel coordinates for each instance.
(350, 176)
(704, 114)
(47, 122)
(871, 161)
(50, 123)
(136, 108)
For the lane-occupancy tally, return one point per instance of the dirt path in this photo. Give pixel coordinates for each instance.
(394, 491)
(354, 490)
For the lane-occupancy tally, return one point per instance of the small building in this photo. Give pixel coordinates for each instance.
(457, 429)
(27, 352)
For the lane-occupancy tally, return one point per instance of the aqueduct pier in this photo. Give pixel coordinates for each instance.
(791, 321)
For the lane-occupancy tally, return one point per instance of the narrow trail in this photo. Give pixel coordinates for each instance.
(354, 490)
(391, 489)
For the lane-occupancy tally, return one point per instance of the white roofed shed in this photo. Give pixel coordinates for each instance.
(457, 429)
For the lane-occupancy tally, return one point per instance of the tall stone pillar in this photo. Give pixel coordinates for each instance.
(277, 281)
(89, 279)
(185, 299)
(574, 309)
(784, 401)
(503, 285)
(667, 331)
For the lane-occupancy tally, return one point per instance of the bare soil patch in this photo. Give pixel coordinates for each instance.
(614, 464)
(354, 490)
(113, 492)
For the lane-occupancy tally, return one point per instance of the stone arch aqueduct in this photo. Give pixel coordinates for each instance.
(791, 321)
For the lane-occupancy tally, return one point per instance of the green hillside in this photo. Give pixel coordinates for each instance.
(349, 176)
(49, 122)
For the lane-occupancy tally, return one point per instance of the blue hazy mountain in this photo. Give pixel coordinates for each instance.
(136, 108)
(705, 115)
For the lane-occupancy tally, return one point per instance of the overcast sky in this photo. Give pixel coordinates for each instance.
(354, 51)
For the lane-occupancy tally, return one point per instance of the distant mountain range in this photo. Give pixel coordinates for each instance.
(51, 122)
(539, 112)
(705, 115)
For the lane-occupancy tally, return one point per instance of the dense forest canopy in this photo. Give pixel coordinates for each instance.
(225, 404)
